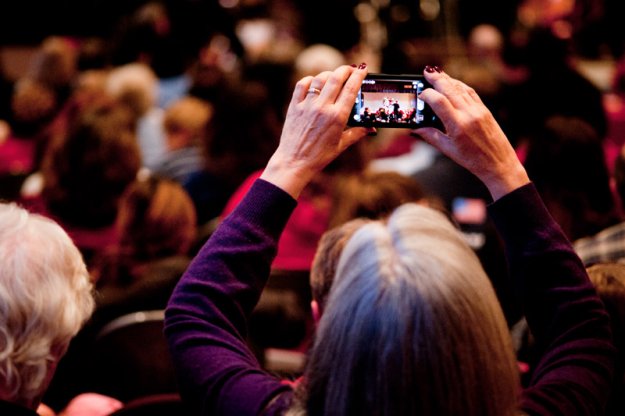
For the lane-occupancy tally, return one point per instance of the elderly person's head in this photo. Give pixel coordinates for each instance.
(411, 315)
(45, 297)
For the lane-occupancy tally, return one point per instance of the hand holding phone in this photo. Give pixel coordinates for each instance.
(392, 101)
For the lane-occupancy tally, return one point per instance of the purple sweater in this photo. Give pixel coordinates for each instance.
(207, 313)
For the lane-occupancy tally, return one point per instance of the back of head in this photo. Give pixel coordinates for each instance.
(156, 219)
(609, 280)
(412, 326)
(33, 104)
(371, 194)
(189, 115)
(317, 58)
(45, 297)
(565, 160)
(86, 170)
(243, 133)
(54, 63)
(134, 85)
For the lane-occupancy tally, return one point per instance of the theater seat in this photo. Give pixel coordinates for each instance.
(154, 405)
(131, 359)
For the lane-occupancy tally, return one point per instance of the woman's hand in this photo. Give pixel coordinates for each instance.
(473, 138)
(313, 134)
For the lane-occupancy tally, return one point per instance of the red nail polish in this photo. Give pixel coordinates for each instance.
(362, 66)
(354, 66)
(438, 69)
(429, 69)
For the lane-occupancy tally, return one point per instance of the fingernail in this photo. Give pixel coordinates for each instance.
(438, 69)
(354, 66)
(429, 69)
(362, 66)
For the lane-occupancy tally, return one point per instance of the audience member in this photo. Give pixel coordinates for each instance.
(85, 172)
(243, 132)
(607, 245)
(282, 318)
(46, 297)
(186, 125)
(566, 162)
(33, 107)
(371, 194)
(135, 85)
(150, 36)
(609, 280)
(313, 214)
(55, 66)
(412, 324)
(546, 60)
(156, 225)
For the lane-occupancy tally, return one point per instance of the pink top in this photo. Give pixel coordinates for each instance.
(17, 155)
(298, 243)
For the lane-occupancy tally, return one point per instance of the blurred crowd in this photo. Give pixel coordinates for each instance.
(140, 143)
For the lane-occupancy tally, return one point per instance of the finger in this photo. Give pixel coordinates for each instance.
(301, 90)
(433, 137)
(319, 81)
(473, 94)
(441, 106)
(348, 93)
(317, 84)
(452, 89)
(335, 83)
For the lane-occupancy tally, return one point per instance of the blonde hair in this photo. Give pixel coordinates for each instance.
(412, 326)
(190, 115)
(45, 297)
(134, 85)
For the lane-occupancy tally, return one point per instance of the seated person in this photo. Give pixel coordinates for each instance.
(609, 280)
(185, 123)
(608, 245)
(412, 324)
(46, 296)
(156, 224)
(84, 173)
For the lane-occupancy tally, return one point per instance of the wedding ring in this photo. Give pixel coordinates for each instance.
(314, 90)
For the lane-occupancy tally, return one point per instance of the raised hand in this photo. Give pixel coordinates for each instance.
(314, 131)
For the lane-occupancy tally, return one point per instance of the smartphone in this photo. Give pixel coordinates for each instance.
(392, 101)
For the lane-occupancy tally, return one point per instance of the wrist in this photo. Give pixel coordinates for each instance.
(503, 183)
(286, 176)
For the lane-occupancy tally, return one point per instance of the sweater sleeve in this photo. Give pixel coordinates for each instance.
(563, 311)
(205, 321)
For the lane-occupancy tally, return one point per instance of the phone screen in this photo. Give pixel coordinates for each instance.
(392, 101)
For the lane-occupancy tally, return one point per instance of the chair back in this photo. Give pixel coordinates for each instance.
(131, 357)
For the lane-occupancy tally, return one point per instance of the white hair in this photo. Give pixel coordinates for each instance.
(318, 58)
(412, 326)
(45, 297)
(135, 84)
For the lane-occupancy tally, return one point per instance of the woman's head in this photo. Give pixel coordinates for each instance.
(87, 169)
(566, 162)
(411, 326)
(156, 219)
(372, 194)
(45, 297)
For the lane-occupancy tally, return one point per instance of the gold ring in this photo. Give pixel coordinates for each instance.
(314, 90)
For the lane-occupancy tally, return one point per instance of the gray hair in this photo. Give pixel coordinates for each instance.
(412, 326)
(45, 297)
